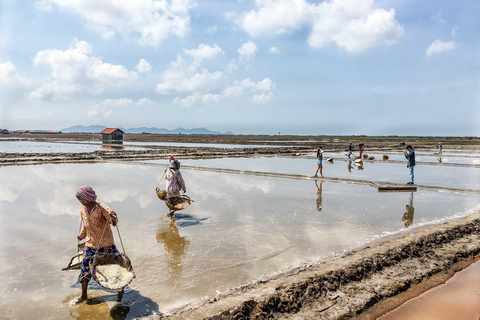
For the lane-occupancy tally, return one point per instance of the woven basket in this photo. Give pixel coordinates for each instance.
(178, 203)
(161, 194)
(111, 258)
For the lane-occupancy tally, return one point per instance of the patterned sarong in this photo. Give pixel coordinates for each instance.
(88, 253)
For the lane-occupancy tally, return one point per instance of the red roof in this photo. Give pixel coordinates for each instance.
(110, 130)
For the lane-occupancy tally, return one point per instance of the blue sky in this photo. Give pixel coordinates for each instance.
(266, 66)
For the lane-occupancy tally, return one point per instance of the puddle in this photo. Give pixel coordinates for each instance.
(442, 176)
(240, 228)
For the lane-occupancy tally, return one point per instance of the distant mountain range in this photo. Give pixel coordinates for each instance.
(98, 128)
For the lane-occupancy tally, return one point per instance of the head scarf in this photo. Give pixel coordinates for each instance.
(174, 163)
(87, 193)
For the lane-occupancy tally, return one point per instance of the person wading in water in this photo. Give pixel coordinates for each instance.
(96, 231)
(174, 182)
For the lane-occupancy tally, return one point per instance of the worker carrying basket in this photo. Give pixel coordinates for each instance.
(100, 257)
(174, 184)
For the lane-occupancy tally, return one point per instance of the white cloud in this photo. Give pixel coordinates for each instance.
(240, 87)
(75, 70)
(262, 98)
(276, 17)
(438, 18)
(204, 52)
(143, 66)
(248, 49)
(439, 46)
(147, 22)
(274, 50)
(99, 111)
(144, 101)
(231, 67)
(183, 77)
(354, 25)
(117, 102)
(9, 76)
(197, 98)
(212, 30)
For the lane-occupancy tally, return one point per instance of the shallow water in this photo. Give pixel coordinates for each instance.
(420, 158)
(238, 229)
(190, 145)
(54, 147)
(442, 176)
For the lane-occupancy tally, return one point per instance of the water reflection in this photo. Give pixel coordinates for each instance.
(113, 146)
(175, 247)
(349, 166)
(407, 218)
(359, 165)
(112, 307)
(319, 195)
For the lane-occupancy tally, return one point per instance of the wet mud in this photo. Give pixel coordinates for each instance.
(349, 286)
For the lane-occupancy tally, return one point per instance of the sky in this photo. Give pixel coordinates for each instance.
(335, 67)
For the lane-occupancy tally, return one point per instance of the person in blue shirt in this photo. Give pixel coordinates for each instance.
(410, 155)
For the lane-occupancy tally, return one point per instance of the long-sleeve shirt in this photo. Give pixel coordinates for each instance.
(174, 181)
(410, 155)
(95, 226)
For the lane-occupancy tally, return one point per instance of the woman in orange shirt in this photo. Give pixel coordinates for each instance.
(96, 218)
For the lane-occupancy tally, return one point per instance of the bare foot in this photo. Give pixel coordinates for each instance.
(321, 176)
(81, 299)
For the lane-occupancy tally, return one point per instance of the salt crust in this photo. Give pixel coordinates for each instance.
(113, 276)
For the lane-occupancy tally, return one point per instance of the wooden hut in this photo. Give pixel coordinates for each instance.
(112, 135)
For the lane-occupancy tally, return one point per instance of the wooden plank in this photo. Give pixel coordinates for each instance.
(397, 189)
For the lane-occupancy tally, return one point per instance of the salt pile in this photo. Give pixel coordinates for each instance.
(113, 276)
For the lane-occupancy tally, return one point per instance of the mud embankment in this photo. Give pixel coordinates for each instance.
(185, 152)
(346, 287)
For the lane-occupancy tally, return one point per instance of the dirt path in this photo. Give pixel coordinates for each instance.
(350, 286)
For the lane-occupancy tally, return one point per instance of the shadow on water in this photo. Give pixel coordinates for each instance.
(187, 220)
(130, 305)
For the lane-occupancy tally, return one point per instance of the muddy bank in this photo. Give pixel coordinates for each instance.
(349, 286)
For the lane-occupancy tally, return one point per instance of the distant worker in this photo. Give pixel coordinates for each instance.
(440, 148)
(410, 155)
(360, 149)
(96, 217)
(408, 215)
(349, 154)
(319, 195)
(174, 182)
(319, 161)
